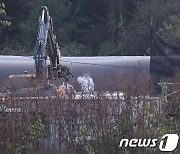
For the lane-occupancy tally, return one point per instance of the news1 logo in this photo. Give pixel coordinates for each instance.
(167, 143)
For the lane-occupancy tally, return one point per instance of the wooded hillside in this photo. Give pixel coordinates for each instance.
(91, 27)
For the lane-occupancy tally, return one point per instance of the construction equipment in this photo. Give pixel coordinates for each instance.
(46, 46)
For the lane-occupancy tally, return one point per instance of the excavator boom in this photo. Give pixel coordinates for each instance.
(46, 46)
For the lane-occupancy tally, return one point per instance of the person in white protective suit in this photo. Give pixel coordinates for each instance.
(87, 84)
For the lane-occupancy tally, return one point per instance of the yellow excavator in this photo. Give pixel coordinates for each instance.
(47, 58)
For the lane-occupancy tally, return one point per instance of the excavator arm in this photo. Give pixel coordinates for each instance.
(46, 46)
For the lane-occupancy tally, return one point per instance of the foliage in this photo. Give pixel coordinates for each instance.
(138, 38)
(109, 27)
(90, 149)
(93, 125)
(36, 130)
(164, 92)
(107, 48)
(4, 23)
(75, 49)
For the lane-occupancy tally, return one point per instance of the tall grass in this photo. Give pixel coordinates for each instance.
(93, 125)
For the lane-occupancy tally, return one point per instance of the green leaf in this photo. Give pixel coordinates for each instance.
(6, 23)
(2, 11)
(3, 5)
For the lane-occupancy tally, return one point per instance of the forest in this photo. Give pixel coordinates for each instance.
(90, 27)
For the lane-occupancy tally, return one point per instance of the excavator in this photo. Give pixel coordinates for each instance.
(47, 57)
(47, 46)
(47, 65)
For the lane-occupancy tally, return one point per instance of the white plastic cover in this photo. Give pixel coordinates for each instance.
(87, 84)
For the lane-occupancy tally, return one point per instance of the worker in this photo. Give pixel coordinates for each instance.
(87, 84)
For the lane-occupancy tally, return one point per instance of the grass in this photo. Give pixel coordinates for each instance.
(93, 126)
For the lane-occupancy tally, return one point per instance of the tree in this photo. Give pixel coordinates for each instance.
(92, 27)
(165, 15)
(3, 21)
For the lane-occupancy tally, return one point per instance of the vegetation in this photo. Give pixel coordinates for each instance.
(96, 125)
(93, 126)
(92, 27)
(4, 23)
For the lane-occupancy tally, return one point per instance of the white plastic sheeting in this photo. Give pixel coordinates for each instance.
(87, 84)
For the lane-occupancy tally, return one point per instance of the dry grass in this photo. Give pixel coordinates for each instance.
(92, 125)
